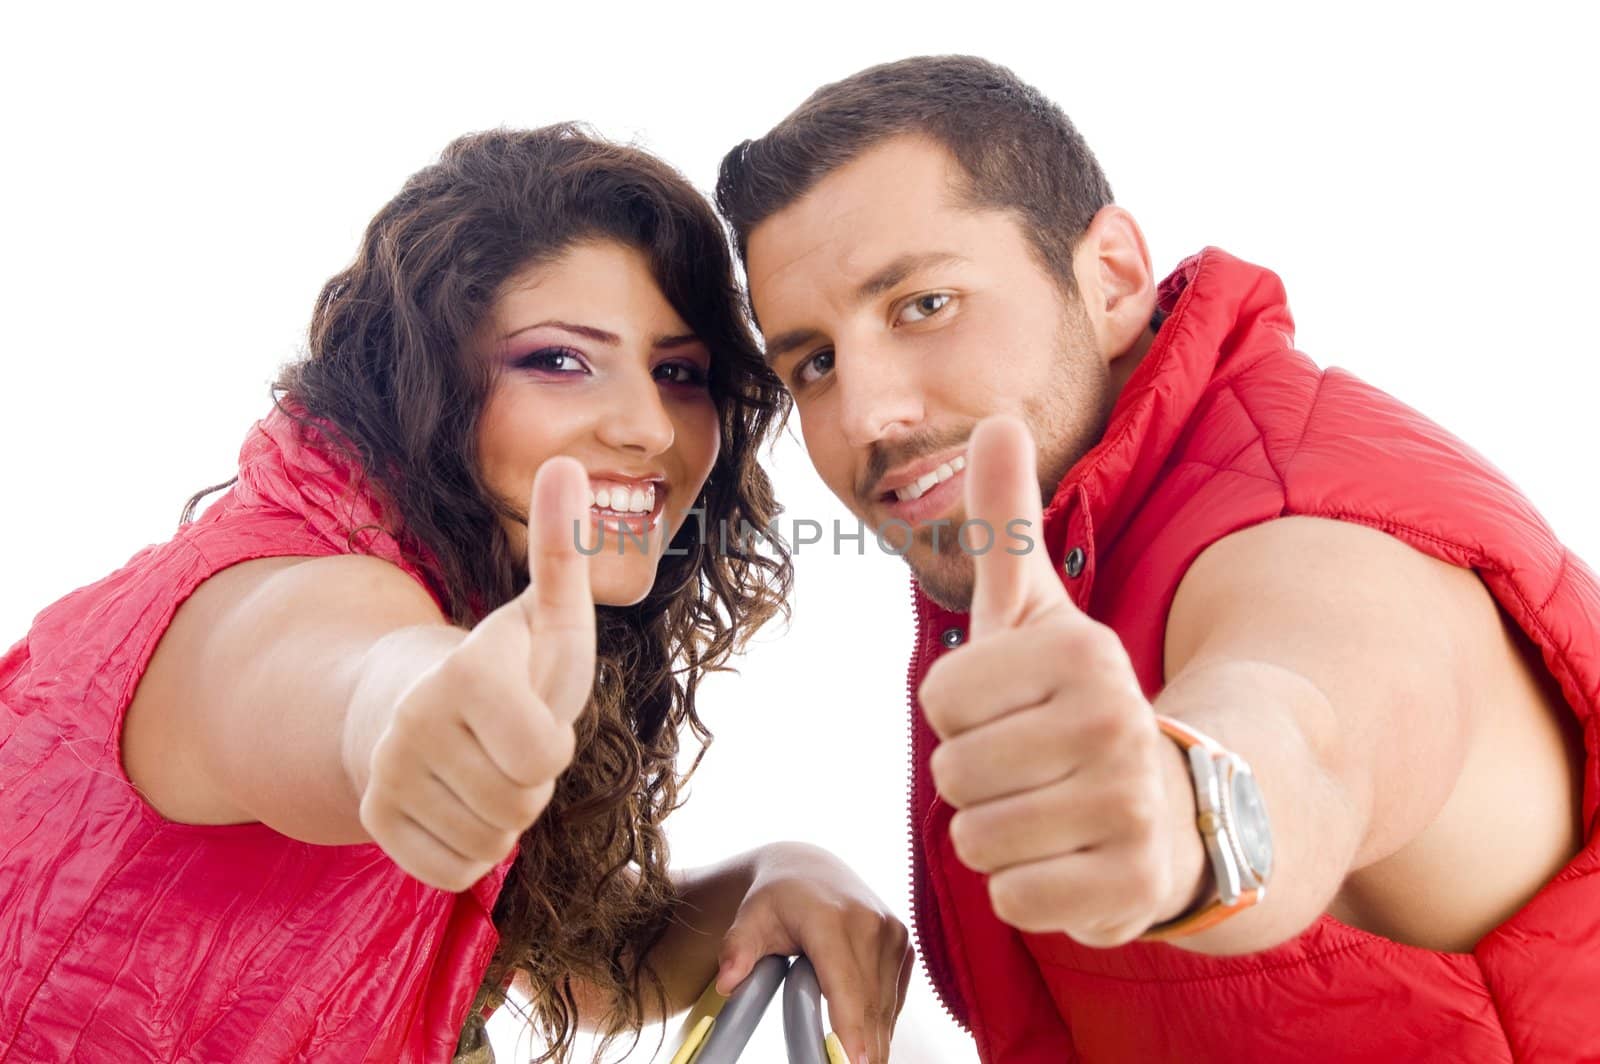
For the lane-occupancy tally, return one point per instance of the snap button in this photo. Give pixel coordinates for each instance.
(1074, 562)
(952, 637)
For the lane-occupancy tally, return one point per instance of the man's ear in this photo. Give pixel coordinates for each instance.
(1118, 288)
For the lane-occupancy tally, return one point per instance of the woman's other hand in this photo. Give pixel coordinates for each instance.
(802, 899)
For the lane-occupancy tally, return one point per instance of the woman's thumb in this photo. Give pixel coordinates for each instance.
(734, 969)
(741, 948)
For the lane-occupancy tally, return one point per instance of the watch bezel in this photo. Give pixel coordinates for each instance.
(1237, 768)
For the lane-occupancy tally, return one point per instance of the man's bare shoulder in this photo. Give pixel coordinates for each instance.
(1315, 574)
(1469, 756)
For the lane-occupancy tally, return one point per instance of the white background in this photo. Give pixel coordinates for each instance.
(178, 184)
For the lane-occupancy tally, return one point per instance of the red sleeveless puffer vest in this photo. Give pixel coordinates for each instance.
(1225, 425)
(127, 937)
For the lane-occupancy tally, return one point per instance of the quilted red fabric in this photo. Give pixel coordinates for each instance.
(1225, 425)
(127, 937)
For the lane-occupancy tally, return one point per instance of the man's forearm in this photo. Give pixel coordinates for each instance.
(1284, 727)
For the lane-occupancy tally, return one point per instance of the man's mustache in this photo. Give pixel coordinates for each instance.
(882, 457)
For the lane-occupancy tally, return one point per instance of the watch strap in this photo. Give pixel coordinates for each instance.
(1212, 911)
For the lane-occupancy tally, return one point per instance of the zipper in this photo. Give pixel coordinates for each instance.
(931, 948)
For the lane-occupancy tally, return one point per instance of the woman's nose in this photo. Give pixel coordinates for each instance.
(637, 418)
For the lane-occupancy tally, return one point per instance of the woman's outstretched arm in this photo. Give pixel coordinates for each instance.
(329, 699)
(242, 713)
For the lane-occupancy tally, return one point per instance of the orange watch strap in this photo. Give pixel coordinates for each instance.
(1186, 736)
(1212, 912)
(1192, 923)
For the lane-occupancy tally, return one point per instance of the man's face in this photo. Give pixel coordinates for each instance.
(899, 319)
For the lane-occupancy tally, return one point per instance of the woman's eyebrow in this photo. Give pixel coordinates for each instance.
(602, 336)
(586, 331)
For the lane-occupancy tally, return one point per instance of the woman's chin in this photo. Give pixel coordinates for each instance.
(621, 581)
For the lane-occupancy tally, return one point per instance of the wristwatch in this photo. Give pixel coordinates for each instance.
(1233, 824)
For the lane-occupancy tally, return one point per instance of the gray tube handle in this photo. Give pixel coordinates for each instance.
(802, 1014)
(742, 1014)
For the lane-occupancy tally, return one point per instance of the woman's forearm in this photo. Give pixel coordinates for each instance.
(708, 898)
(686, 957)
(392, 664)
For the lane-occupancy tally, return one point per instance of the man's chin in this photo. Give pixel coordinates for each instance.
(945, 579)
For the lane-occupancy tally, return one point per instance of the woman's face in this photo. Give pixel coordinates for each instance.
(593, 362)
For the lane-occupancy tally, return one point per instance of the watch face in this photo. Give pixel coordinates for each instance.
(1250, 818)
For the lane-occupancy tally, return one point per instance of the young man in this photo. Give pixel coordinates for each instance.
(1263, 734)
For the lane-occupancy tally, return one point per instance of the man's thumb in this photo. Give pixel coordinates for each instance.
(1012, 577)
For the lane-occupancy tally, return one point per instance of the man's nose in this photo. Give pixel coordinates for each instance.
(636, 417)
(880, 394)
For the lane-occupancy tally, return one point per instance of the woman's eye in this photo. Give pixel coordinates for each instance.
(814, 368)
(558, 360)
(924, 307)
(682, 373)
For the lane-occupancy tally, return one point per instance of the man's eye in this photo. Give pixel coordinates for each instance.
(923, 307)
(814, 368)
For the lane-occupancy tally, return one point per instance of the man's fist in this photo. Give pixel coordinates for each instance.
(1050, 751)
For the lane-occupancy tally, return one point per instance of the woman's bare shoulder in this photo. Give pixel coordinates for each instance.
(285, 610)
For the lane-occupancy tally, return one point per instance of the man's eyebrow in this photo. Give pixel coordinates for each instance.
(901, 268)
(891, 274)
(603, 337)
(784, 343)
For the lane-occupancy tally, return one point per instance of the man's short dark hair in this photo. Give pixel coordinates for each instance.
(1019, 152)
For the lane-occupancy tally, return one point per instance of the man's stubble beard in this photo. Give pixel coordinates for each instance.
(1066, 421)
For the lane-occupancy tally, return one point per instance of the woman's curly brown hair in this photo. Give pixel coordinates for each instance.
(589, 893)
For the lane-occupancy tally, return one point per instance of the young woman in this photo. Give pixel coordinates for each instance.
(319, 777)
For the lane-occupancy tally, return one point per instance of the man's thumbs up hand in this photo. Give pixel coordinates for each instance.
(1050, 751)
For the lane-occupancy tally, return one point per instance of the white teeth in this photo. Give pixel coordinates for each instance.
(920, 486)
(623, 499)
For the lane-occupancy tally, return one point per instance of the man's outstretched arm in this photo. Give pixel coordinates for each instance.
(1340, 663)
